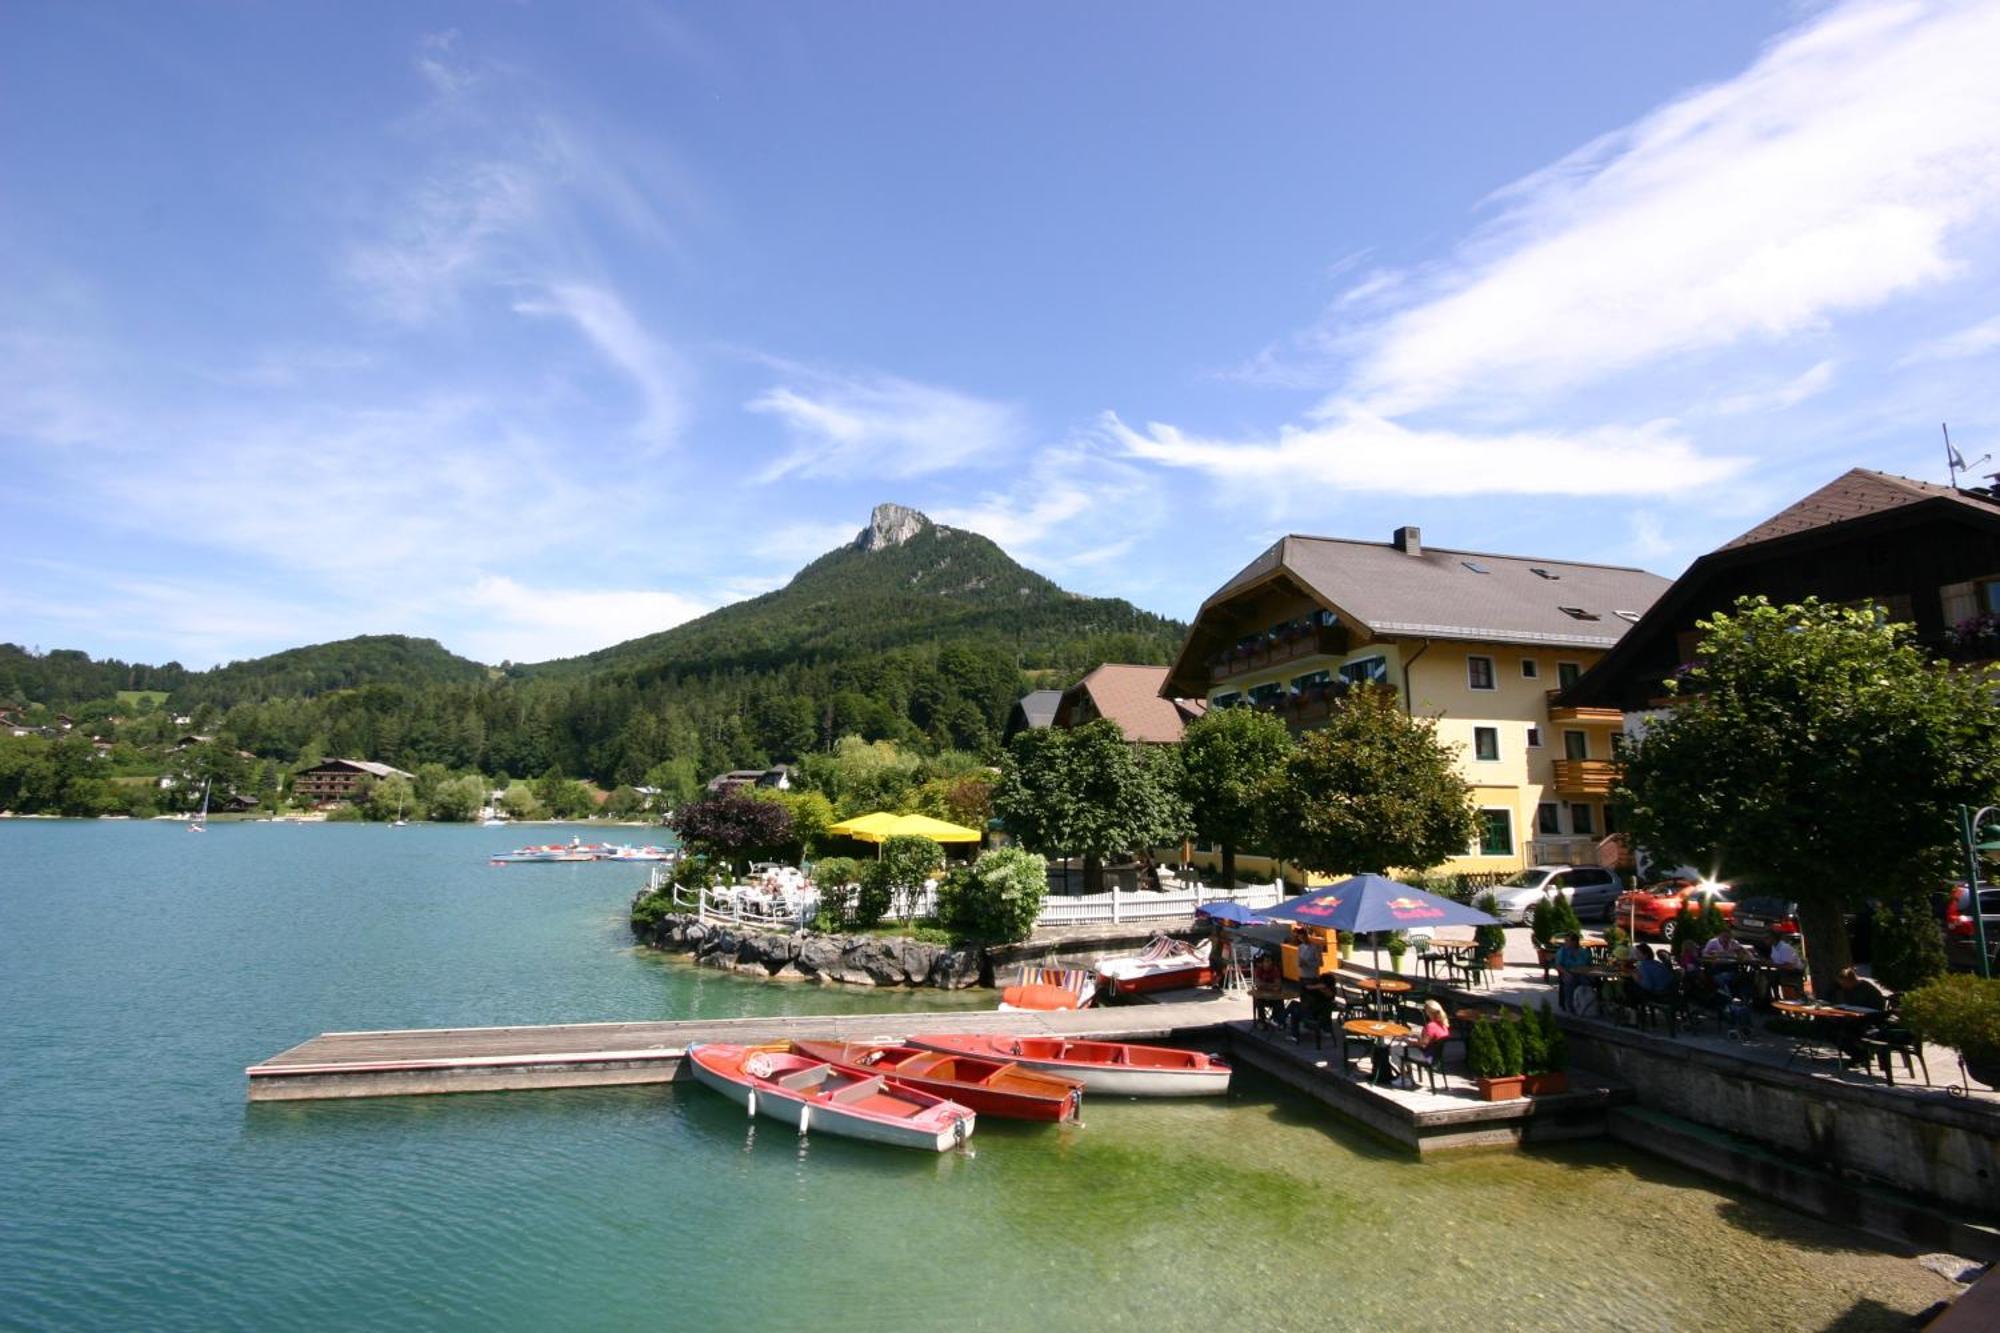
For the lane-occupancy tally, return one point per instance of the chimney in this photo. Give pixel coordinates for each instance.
(1410, 541)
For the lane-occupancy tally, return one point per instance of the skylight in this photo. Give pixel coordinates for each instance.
(1632, 616)
(1578, 613)
(1475, 567)
(1539, 572)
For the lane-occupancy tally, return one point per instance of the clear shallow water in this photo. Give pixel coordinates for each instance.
(141, 968)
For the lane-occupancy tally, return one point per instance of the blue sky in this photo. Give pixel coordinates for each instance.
(535, 327)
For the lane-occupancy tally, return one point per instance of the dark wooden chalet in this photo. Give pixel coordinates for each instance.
(1928, 555)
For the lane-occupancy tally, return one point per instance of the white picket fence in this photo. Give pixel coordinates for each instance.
(743, 905)
(1120, 905)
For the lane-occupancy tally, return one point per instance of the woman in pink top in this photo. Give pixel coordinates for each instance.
(1427, 1048)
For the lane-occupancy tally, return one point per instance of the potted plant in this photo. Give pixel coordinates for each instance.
(1493, 1053)
(1963, 1012)
(1490, 940)
(1544, 1053)
(1397, 944)
(1542, 930)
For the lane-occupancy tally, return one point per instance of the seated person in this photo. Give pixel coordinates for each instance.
(1316, 1004)
(1854, 991)
(1652, 978)
(1689, 960)
(1427, 1047)
(1784, 955)
(1309, 956)
(1571, 959)
(1721, 956)
(1267, 988)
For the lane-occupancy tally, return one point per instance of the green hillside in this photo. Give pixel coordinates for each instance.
(368, 659)
(914, 633)
(905, 581)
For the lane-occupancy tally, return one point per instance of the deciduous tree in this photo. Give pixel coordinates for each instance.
(734, 828)
(1372, 790)
(1089, 792)
(1228, 761)
(1818, 752)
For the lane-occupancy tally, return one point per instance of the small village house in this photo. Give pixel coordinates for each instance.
(1130, 696)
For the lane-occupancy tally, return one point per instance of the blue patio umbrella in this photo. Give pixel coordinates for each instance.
(1368, 904)
(1236, 914)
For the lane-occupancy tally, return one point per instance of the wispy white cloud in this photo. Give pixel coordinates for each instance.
(524, 623)
(610, 326)
(1835, 173)
(1356, 451)
(1974, 340)
(1776, 398)
(883, 426)
(1075, 505)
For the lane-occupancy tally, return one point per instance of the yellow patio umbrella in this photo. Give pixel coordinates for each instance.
(882, 826)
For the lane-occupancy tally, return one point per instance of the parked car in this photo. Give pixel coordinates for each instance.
(1591, 890)
(1961, 939)
(1652, 912)
(1763, 918)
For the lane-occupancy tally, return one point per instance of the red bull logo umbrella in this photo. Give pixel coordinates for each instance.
(1368, 904)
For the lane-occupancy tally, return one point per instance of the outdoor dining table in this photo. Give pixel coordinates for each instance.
(1380, 986)
(1821, 1021)
(1381, 1034)
(1444, 950)
(1595, 979)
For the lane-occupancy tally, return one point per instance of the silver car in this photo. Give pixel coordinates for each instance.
(1591, 891)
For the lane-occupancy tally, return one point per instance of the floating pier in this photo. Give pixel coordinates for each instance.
(580, 1055)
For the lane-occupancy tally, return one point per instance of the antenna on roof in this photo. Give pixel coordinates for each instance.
(1954, 460)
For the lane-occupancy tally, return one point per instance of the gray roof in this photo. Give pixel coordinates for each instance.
(1443, 593)
(1038, 708)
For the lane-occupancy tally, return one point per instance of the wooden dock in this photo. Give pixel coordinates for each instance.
(575, 1055)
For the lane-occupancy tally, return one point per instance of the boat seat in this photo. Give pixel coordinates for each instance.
(801, 1079)
(860, 1091)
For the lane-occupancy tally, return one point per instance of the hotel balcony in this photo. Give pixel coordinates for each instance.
(1585, 777)
(1610, 717)
(1320, 641)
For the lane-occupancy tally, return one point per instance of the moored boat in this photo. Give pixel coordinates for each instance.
(1117, 1068)
(1164, 964)
(554, 851)
(810, 1094)
(991, 1087)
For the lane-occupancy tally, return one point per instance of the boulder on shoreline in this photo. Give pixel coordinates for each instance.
(856, 960)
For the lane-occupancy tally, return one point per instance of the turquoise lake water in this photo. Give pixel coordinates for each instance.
(141, 968)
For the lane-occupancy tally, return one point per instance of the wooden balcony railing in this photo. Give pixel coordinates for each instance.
(1324, 640)
(1606, 716)
(1585, 777)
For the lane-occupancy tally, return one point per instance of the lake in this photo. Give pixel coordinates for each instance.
(141, 968)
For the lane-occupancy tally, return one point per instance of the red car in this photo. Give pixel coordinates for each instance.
(1651, 913)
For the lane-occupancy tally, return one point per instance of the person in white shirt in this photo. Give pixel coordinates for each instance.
(1784, 955)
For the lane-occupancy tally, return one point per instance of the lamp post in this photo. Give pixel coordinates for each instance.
(1969, 823)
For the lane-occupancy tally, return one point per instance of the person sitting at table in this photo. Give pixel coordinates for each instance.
(1854, 991)
(1571, 959)
(1315, 1007)
(1653, 977)
(1267, 989)
(1427, 1047)
(1721, 955)
(1689, 960)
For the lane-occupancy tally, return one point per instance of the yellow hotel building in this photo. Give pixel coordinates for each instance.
(1481, 642)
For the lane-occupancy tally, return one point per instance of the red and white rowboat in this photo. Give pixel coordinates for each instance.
(1101, 1066)
(990, 1087)
(810, 1094)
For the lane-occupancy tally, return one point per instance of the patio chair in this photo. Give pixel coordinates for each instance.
(1415, 1057)
(1891, 1038)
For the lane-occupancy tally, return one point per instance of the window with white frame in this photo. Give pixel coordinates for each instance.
(1534, 738)
(1529, 668)
(1496, 832)
(1486, 743)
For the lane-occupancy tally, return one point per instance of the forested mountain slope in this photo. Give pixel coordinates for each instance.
(915, 633)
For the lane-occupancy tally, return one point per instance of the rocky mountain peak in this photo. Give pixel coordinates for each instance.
(890, 525)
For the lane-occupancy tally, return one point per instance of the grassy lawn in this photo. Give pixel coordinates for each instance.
(132, 697)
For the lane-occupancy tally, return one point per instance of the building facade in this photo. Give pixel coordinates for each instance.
(1480, 642)
(338, 780)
